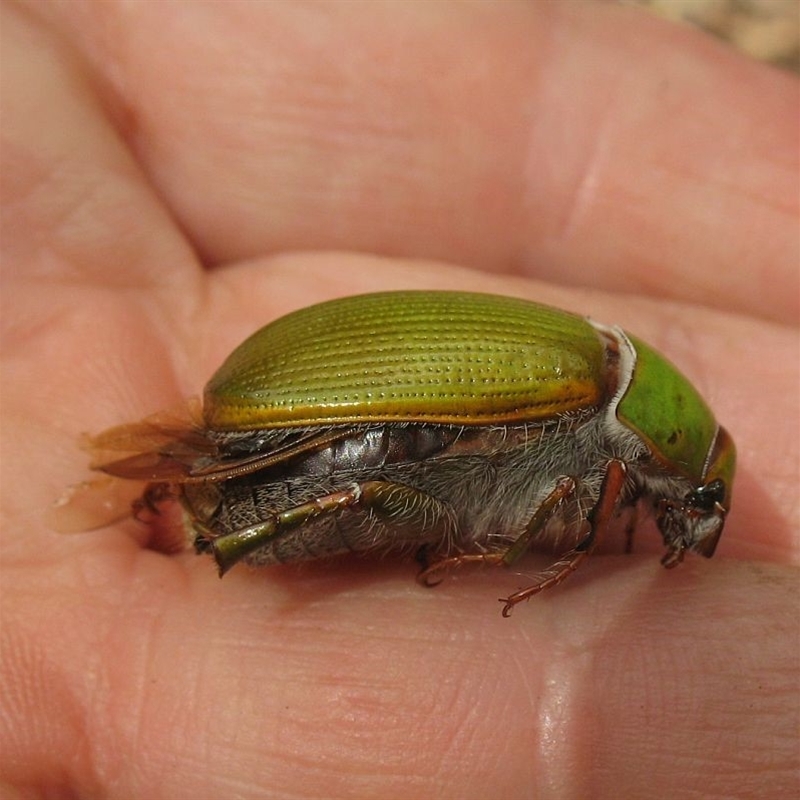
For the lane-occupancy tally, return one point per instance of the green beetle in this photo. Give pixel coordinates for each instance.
(466, 427)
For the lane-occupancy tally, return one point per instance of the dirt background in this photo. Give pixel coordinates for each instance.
(768, 30)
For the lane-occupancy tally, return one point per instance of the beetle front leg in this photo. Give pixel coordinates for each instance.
(411, 514)
(599, 521)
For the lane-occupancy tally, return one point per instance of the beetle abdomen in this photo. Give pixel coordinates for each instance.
(476, 490)
(446, 357)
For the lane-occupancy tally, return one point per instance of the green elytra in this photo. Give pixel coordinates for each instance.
(443, 357)
(453, 358)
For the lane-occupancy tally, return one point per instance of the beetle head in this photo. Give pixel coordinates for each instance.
(696, 521)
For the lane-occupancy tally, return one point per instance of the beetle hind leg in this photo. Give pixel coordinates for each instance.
(408, 514)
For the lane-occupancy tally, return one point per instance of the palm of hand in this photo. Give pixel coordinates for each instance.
(128, 672)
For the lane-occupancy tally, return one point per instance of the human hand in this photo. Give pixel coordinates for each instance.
(177, 175)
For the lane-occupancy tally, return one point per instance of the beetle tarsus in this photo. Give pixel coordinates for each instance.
(673, 557)
(428, 577)
(552, 576)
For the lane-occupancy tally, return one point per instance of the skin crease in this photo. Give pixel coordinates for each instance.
(167, 170)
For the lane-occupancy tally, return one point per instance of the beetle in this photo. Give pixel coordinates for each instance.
(467, 427)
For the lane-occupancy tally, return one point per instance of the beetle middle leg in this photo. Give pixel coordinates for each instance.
(410, 514)
(564, 488)
(599, 521)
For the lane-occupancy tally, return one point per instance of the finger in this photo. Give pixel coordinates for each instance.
(77, 209)
(620, 683)
(96, 276)
(533, 138)
(127, 384)
(135, 371)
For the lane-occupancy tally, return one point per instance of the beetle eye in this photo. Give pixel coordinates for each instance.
(708, 496)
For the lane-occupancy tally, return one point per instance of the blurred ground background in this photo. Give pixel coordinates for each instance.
(768, 30)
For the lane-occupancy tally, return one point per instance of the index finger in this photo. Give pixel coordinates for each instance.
(583, 143)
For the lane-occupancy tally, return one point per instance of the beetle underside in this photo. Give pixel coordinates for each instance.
(464, 494)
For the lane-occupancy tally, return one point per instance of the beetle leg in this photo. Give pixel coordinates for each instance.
(565, 486)
(400, 506)
(433, 575)
(599, 520)
(432, 569)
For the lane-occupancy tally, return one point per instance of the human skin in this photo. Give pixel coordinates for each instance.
(176, 175)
